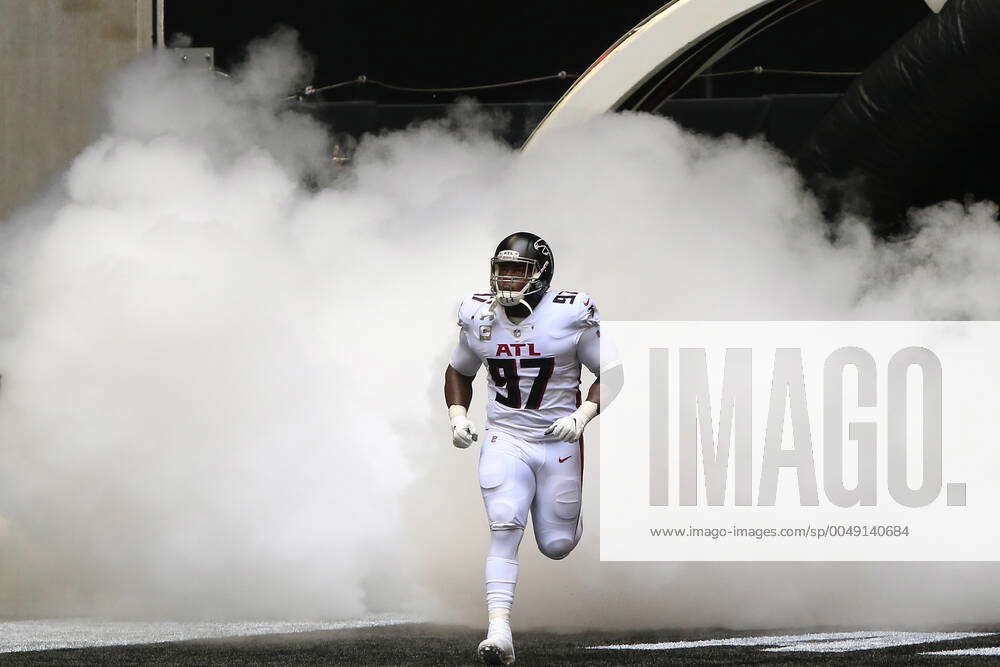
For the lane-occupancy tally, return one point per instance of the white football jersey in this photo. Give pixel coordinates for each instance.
(534, 365)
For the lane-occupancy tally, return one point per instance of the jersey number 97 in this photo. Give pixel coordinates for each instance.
(504, 374)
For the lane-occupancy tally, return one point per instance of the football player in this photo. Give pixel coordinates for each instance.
(533, 341)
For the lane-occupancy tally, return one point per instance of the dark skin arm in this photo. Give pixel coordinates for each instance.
(613, 380)
(457, 388)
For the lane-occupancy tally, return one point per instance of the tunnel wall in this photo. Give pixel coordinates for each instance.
(54, 57)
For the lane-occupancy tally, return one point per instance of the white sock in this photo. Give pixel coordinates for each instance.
(499, 624)
(501, 579)
(501, 570)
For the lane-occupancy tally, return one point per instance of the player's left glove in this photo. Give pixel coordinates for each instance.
(571, 428)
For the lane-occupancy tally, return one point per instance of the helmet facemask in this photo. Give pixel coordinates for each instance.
(512, 278)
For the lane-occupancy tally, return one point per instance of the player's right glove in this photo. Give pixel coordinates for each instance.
(463, 431)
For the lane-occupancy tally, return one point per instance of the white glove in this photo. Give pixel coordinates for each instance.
(571, 428)
(463, 431)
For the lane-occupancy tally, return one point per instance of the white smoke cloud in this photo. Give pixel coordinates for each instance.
(221, 388)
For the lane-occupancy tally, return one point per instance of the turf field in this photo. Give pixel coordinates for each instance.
(387, 641)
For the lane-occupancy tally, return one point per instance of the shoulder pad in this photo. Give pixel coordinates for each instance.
(471, 305)
(581, 311)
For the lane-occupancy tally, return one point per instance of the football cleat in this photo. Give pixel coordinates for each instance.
(496, 651)
(498, 647)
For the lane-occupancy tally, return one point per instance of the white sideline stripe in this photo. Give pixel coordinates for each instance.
(833, 642)
(46, 634)
(883, 640)
(737, 641)
(985, 650)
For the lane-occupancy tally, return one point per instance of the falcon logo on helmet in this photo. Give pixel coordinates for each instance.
(522, 265)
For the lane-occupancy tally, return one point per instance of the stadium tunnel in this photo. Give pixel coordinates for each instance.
(898, 113)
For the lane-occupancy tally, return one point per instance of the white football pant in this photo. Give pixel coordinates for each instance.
(517, 476)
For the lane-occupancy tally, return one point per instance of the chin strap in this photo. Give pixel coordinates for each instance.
(520, 294)
(520, 299)
(491, 310)
(490, 314)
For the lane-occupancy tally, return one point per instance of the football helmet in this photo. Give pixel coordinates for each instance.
(521, 266)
